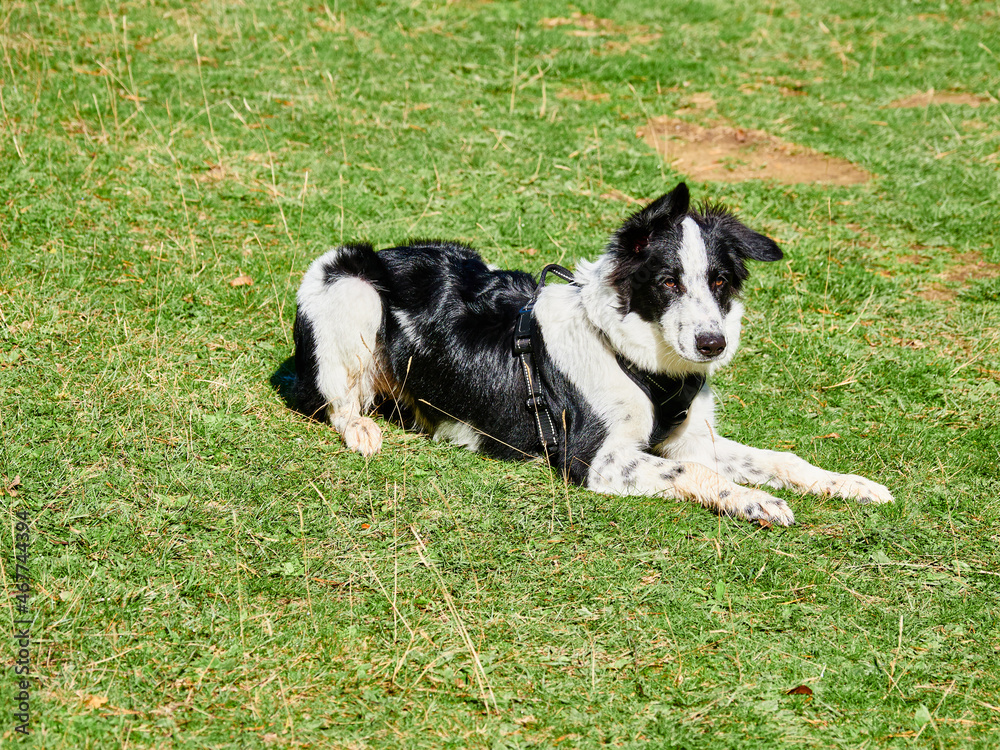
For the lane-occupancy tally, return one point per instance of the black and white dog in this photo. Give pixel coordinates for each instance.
(606, 377)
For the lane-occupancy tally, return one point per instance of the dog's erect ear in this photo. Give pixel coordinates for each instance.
(664, 211)
(751, 244)
(669, 206)
(741, 240)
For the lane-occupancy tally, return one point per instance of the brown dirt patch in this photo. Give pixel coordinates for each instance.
(582, 95)
(971, 267)
(966, 268)
(913, 260)
(586, 22)
(699, 101)
(724, 153)
(937, 293)
(215, 173)
(927, 98)
(623, 47)
(786, 85)
(588, 25)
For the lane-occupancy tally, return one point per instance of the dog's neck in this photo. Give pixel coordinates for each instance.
(627, 335)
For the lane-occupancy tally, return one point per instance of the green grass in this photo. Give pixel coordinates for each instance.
(212, 571)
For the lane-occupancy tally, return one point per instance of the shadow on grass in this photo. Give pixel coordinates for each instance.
(282, 380)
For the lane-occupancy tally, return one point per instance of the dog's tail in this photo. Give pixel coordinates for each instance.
(337, 321)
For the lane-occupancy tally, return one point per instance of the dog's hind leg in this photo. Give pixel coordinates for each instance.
(336, 347)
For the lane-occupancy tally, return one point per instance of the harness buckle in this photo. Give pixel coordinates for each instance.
(522, 344)
(535, 401)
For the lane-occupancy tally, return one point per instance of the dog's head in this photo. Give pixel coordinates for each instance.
(681, 272)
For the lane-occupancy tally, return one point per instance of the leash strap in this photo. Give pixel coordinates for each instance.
(537, 404)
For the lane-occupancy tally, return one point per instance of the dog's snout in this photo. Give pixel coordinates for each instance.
(710, 344)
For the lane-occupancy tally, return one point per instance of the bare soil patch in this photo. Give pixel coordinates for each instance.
(966, 268)
(937, 293)
(582, 95)
(926, 98)
(587, 22)
(588, 25)
(724, 153)
(697, 102)
(786, 85)
(971, 267)
(614, 47)
(913, 260)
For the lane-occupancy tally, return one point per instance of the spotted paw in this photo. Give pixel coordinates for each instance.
(756, 505)
(853, 487)
(363, 436)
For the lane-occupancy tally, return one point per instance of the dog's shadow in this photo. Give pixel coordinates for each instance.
(283, 382)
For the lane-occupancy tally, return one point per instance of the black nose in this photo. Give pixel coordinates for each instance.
(710, 344)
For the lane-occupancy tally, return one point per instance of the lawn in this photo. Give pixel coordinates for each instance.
(209, 569)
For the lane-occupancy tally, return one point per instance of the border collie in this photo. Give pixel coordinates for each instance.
(613, 389)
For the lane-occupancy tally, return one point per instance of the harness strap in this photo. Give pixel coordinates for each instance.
(671, 396)
(536, 403)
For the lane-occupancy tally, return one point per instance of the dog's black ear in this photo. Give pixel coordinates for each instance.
(756, 246)
(741, 240)
(664, 211)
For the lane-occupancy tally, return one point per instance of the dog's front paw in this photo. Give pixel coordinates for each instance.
(755, 505)
(853, 487)
(363, 436)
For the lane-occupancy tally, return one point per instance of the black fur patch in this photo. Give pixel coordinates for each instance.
(358, 260)
(645, 253)
(305, 395)
(629, 471)
(671, 475)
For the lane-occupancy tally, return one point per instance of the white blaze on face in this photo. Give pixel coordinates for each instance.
(697, 311)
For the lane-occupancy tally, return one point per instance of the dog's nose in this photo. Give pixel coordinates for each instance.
(710, 344)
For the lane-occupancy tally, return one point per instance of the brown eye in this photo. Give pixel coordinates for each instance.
(670, 281)
(719, 282)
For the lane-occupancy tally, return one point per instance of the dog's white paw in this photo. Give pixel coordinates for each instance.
(755, 505)
(363, 436)
(853, 487)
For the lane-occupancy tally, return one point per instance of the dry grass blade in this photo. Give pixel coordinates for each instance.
(485, 689)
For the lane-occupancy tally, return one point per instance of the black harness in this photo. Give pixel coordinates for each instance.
(671, 396)
(537, 403)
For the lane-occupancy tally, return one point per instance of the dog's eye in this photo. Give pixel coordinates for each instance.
(719, 282)
(669, 281)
